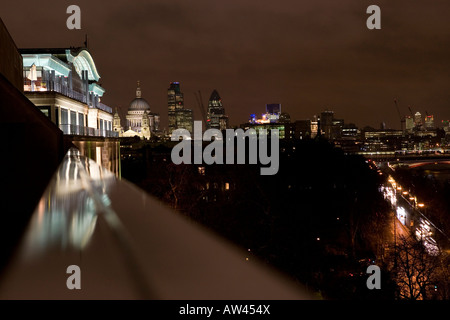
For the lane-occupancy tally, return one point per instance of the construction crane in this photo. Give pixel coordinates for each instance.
(201, 106)
(402, 119)
(410, 111)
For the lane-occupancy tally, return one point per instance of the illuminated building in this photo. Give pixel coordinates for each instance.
(273, 108)
(446, 126)
(63, 84)
(179, 116)
(273, 111)
(429, 122)
(175, 102)
(326, 123)
(350, 131)
(418, 119)
(284, 118)
(140, 120)
(409, 123)
(216, 118)
(117, 127)
(314, 127)
(273, 115)
(330, 127)
(388, 133)
(185, 119)
(302, 129)
(285, 131)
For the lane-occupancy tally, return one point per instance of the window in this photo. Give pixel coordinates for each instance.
(45, 110)
(64, 116)
(73, 117)
(81, 119)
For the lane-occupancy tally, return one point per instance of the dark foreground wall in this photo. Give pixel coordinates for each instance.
(31, 149)
(11, 64)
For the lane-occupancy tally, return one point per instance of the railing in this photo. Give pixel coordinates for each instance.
(104, 107)
(47, 85)
(72, 129)
(126, 244)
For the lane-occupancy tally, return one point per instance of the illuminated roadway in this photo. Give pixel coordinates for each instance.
(408, 210)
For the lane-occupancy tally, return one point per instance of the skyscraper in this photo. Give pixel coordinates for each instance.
(216, 118)
(185, 119)
(326, 123)
(273, 108)
(175, 101)
(429, 122)
(179, 117)
(409, 123)
(418, 119)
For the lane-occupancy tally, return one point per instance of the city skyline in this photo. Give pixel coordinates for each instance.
(270, 193)
(307, 56)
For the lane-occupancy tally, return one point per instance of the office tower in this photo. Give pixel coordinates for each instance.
(185, 119)
(418, 119)
(284, 118)
(273, 108)
(326, 123)
(409, 123)
(429, 122)
(216, 118)
(314, 127)
(302, 129)
(175, 102)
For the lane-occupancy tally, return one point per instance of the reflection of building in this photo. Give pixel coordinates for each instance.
(140, 120)
(216, 117)
(63, 84)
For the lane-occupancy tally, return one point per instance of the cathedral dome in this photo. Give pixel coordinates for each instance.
(139, 103)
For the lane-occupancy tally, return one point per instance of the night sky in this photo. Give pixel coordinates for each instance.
(307, 55)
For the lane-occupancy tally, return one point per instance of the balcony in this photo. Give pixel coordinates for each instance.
(47, 85)
(71, 129)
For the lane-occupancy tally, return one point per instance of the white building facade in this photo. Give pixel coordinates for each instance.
(63, 84)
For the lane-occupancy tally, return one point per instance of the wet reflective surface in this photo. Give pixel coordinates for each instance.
(128, 245)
